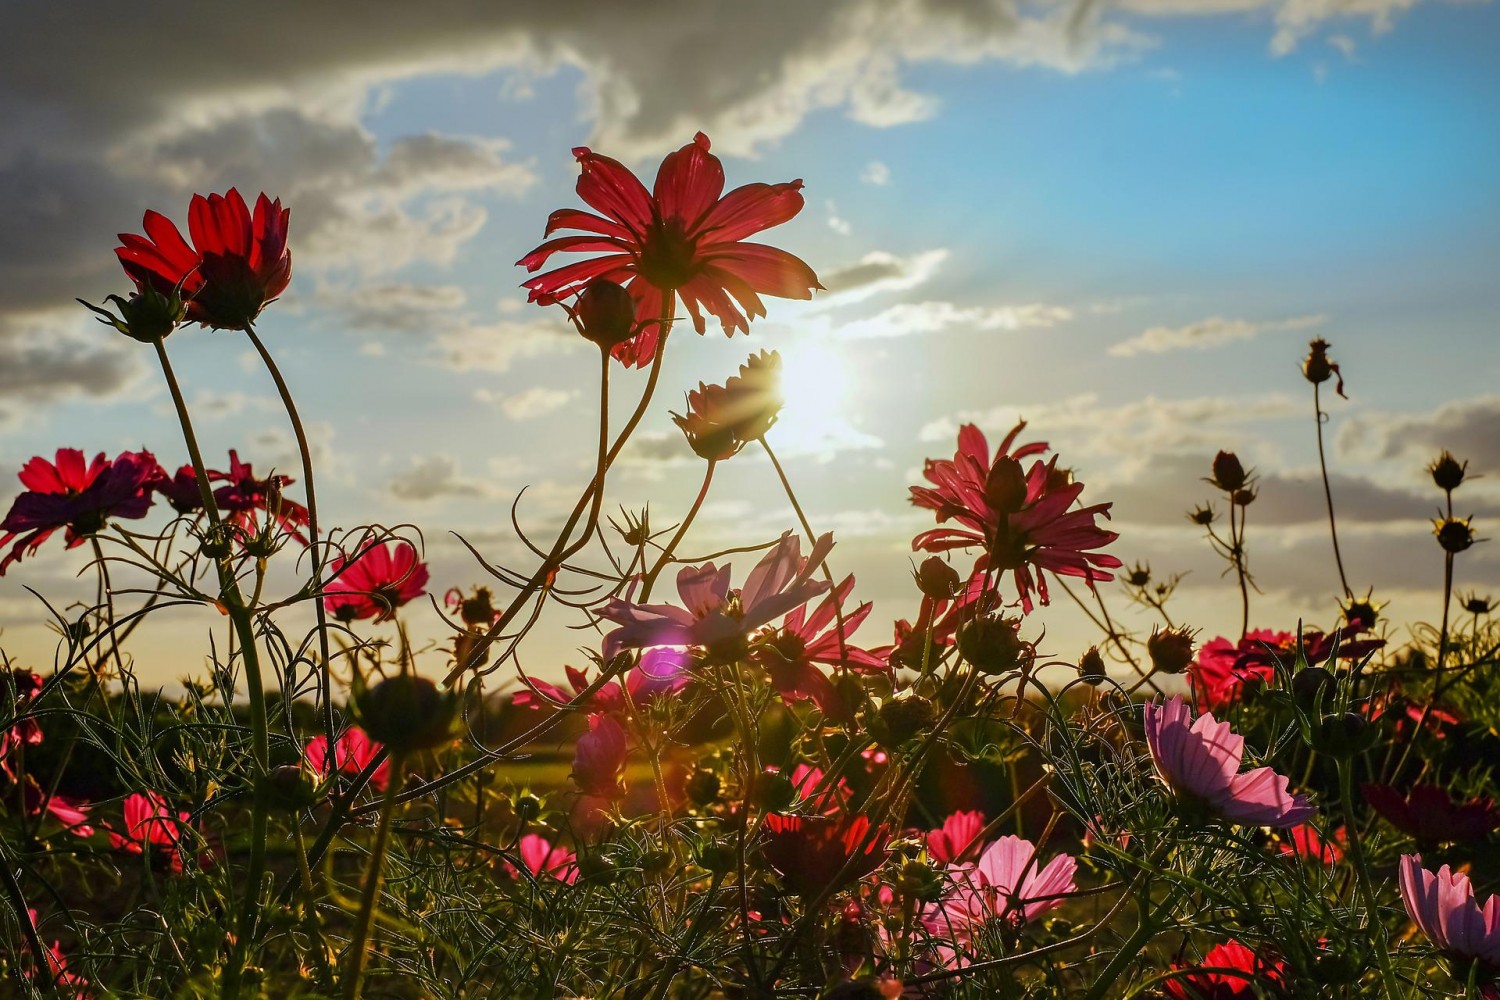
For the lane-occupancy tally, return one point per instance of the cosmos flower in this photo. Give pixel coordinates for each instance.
(953, 840)
(352, 753)
(1022, 518)
(236, 264)
(816, 854)
(80, 498)
(1445, 907)
(71, 813)
(377, 581)
(181, 489)
(1429, 816)
(151, 823)
(680, 239)
(661, 672)
(1225, 668)
(1009, 882)
(599, 758)
(1230, 971)
(23, 730)
(938, 621)
(791, 654)
(246, 494)
(714, 614)
(64, 982)
(722, 419)
(1304, 841)
(1200, 759)
(542, 857)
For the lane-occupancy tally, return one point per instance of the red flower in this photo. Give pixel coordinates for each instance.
(150, 822)
(1224, 668)
(1022, 518)
(1304, 841)
(352, 753)
(235, 266)
(22, 730)
(679, 239)
(1230, 971)
(791, 654)
(181, 490)
(78, 497)
(941, 618)
(374, 583)
(813, 854)
(71, 813)
(246, 494)
(1429, 816)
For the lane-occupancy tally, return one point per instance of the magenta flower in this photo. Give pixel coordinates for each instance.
(661, 672)
(1445, 907)
(1200, 758)
(1224, 669)
(1429, 816)
(73, 814)
(542, 857)
(791, 655)
(76, 497)
(375, 582)
(599, 758)
(1008, 882)
(713, 614)
(956, 837)
(246, 494)
(151, 824)
(352, 753)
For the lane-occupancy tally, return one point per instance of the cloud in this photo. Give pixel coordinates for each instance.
(43, 360)
(878, 272)
(1210, 332)
(432, 478)
(495, 347)
(395, 308)
(1470, 428)
(912, 318)
(529, 404)
(876, 173)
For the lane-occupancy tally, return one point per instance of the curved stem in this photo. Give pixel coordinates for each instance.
(325, 679)
(1333, 525)
(682, 529)
(17, 899)
(374, 876)
(838, 605)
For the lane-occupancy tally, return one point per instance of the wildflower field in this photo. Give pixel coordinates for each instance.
(750, 784)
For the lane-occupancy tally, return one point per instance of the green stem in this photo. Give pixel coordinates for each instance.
(1375, 926)
(1333, 526)
(682, 529)
(1129, 951)
(374, 876)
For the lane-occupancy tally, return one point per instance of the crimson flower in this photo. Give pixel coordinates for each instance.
(79, 498)
(73, 814)
(1022, 518)
(23, 730)
(236, 264)
(1230, 971)
(151, 823)
(181, 489)
(816, 854)
(722, 419)
(1225, 668)
(64, 982)
(542, 857)
(791, 654)
(599, 758)
(352, 753)
(1304, 841)
(1429, 816)
(375, 582)
(245, 495)
(956, 837)
(681, 239)
(660, 673)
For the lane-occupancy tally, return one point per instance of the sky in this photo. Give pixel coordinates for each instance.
(1121, 222)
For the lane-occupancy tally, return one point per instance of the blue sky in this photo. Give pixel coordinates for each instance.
(1038, 202)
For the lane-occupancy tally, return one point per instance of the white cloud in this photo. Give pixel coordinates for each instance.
(497, 346)
(1210, 332)
(876, 173)
(1470, 428)
(876, 273)
(913, 318)
(529, 404)
(434, 477)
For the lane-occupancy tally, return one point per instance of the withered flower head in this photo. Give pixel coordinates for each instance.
(1447, 472)
(1171, 649)
(1453, 534)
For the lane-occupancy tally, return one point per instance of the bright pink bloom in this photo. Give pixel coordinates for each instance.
(150, 822)
(1023, 519)
(77, 497)
(1201, 758)
(1445, 907)
(1429, 816)
(66, 983)
(22, 730)
(71, 813)
(811, 789)
(661, 672)
(377, 581)
(792, 653)
(714, 614)
(352, 753)
(245, 495)
(236, 265)
(953, 841)
(1304, 841)
(814, 854)
(679, 239)
(599, 758)
(542, 857)
(1008, 882)
(1216, 978)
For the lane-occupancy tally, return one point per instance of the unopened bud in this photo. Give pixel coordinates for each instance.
(1229, 474)
(405, 712)
(1091, 667)
(1454, 535)
(1202, 515)
(994, 644)
(605, 313)
(1171, 649)
(1447, 472)
(936, 579)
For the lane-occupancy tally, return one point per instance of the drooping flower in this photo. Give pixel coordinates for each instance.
(960, 832)
(152, 824)
(375, 582)
(679, 240)
(72, 813)
(1429, 815)
(542, 857)
(237, 262)
(246, 494)
(791, 654)
(817, 854)
(1230, 971)
(1445, 907)
(1022, 518)
(1200, 758)
(352, 753)
(1008, 882)
(713, 613)
(599, 758)
(67, 494)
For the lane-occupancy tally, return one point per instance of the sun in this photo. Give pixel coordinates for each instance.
(815, 388)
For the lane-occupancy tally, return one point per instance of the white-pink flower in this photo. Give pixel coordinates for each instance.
(1201, 758)
(1445, 907)
(1009, 881)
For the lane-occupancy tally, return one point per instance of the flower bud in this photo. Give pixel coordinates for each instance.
(605, 314)
(1202, 515)
(718, 856)
(994, 644)
(902, 719)
(1344, 735)
(291, 787)
(1091, 667)
(1316, 367)
(527, 806)
(147, 316)
(772, 791)
(1447, 472)
(1454, 535)
(1312, 687)
(1171, 649)
(1005, 486)
(1243, 497)
(1476, 605)
(936, 579)
(920, 881)
(702, 787)
(1229, 474)
(405, 712)
(1139, 576)
(1361, 615)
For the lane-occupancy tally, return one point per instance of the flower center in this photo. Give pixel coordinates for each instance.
(668, 257)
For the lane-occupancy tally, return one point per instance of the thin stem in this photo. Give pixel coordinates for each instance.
(838, 605)
(1333, 526)
(17, 898)
(682, 529)
(1237, 548)
(325, 675)
(374, 876)
(1356, 848)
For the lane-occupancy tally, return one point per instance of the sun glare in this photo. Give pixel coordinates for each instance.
(815, 387)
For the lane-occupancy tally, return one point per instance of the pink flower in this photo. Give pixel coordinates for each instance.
(352, 753)
(812, 790)
(661, 672)
(680, 239)
(67, 494)
(1223, 668)
(1230, 971)
(66, 983)
(714, 614)
(951, 842)
(1008, 882)
(1304, 841)
(542, 857)
(1200, 758)
(791, 654)
(1445, 907)
(246, 494)
(599, 758)
(1023, 519)
(377, 581)
(71, 813)
(22, 730)
(151, 823)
